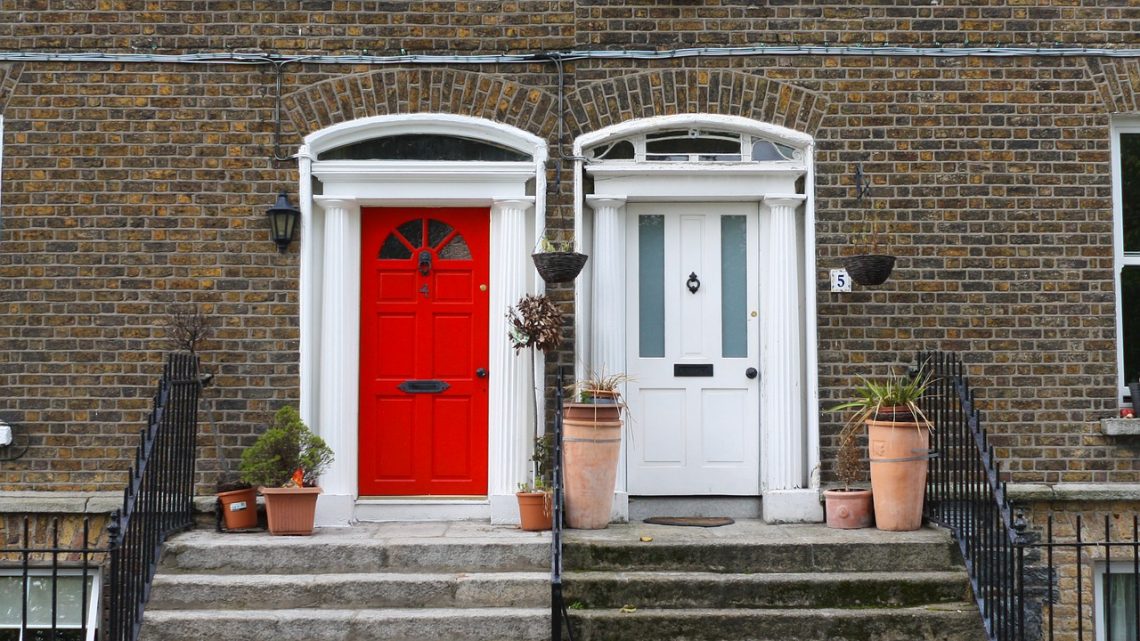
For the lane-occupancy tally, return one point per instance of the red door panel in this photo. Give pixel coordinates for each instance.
(424, 322)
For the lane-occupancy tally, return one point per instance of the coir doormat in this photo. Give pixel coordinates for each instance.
(690, 521)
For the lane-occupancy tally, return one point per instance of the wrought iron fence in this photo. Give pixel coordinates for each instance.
(1054, 584)
(558, 611)
(157, 502)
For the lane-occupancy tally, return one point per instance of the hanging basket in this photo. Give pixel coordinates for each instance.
(559, 267)
(869, 269)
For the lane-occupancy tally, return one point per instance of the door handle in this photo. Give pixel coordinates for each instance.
(481, 372)
(751, 372)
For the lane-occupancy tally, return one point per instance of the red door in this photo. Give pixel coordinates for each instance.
(423, 351)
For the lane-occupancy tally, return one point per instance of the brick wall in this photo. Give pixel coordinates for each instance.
(132, 188)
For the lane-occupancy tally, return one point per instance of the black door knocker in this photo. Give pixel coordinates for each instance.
(425, 263)
(693, 283)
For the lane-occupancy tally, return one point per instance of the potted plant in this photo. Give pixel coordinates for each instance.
(237, 503)
(848, 507)
(592, 430)
(284, 463)
(898, 441)
(556, 260)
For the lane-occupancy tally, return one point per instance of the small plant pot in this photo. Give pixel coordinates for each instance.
(239, 508)
(848, 509)
(869, 269)
(291, 511)
(535, 511)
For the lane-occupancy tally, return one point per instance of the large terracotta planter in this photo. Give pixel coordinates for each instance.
(535, 511)
(239, 508)
(899, 453)
(591, 444)
(290, 510)
(848, 509)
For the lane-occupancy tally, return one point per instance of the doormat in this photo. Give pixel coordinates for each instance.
(690, 521)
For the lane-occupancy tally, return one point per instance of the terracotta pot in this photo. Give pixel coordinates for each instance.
(899, 454)
(239, 508)
(290, 510)
(591, 445)
(535, 511)
(848, 509)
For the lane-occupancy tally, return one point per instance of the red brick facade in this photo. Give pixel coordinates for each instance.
(129, 187)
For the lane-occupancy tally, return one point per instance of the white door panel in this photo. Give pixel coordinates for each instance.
(692, 434)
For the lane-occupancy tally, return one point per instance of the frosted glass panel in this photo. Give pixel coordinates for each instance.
(734, 295)
(651, 285)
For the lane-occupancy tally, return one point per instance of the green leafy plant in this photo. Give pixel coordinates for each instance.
(586, 390)
(287, 446)
(547, 245)
(872, 397)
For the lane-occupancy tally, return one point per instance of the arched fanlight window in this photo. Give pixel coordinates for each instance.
(425, 147)
(691, 145)
(425, 234)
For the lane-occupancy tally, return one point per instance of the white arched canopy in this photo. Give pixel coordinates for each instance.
(332, 194)
(705, 162)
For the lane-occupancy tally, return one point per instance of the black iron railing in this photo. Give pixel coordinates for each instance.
(158, 499)
(1056, 584)
(558, 611)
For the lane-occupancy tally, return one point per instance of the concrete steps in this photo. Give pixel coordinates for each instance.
(429, 582)
(767, 583)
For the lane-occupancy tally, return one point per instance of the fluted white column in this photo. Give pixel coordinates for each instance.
(784, 477)
(607, 345)
(607, 309)
(510, 431)
(340, 358)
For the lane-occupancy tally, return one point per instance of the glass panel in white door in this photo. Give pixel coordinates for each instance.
(693, 424)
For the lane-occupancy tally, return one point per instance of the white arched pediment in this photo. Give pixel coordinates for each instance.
(347, 133)
(773, 133)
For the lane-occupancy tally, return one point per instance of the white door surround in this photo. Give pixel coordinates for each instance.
(782, 190)
(330, 296)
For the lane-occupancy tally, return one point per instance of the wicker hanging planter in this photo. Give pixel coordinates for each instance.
(559, 267)
(869, 269)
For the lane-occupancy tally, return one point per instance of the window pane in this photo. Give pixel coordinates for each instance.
(651, 285)
(734, 291)
(1120, 607)
(424, 147)
(437, 231)
(413, 230)
(394, 249)
(1130, 321)
(1130, 189)
(69, 597)
(717, 146)
(456, 249)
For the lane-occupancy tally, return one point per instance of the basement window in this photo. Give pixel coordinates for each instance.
(67, 602)
(1116, 590)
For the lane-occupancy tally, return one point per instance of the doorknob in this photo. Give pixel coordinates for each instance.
(481, 372)
(751, 372)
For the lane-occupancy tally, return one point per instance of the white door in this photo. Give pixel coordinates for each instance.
(693, 344)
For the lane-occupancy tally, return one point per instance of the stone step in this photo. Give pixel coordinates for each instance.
(347, 591)
(942, 622)
(665, 589)
(420, 624)
(905, 554)
(207, 552)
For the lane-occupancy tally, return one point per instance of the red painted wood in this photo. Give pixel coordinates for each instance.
(423, 444)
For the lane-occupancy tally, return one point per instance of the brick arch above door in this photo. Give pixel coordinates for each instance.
(669, 92)
(422, 90)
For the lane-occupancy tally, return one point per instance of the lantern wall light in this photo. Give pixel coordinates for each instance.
(283, 217)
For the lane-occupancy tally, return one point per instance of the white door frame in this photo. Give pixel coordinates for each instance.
(790, 424)
(330, 296)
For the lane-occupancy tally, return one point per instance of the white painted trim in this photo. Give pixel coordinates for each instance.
(1130, 125)
(347, 133)
(775, 133)
(358, 184)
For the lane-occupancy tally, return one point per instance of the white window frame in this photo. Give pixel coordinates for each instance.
(1121, 125)
(93, 596)
(1100, 611)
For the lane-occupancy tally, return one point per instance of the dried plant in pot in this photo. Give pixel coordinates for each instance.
(285, 463)
(898, 443)
(848, 507)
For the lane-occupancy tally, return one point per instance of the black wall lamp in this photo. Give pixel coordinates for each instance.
(283, 218)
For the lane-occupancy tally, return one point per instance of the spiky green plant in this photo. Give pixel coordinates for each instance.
(894, 391)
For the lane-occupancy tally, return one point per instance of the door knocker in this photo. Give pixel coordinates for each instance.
(425, 263)
(693, 283)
